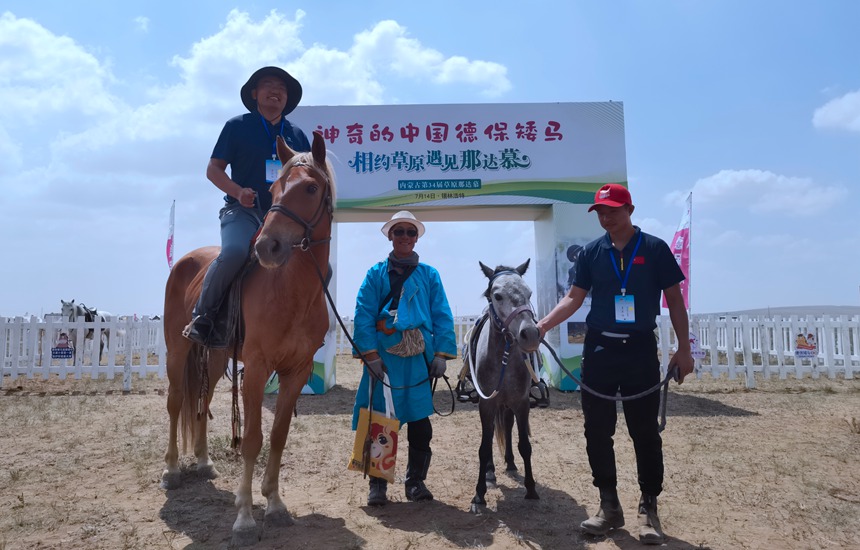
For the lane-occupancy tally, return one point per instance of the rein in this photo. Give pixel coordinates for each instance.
(363, 358)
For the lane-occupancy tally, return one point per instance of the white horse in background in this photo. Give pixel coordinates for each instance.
(72, 312)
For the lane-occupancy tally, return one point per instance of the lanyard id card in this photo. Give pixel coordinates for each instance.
(273, 168)
(625, 309)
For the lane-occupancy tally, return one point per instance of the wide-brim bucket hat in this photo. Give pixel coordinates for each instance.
(294, 89)
(404, 216)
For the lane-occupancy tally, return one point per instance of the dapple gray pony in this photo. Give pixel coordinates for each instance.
(72, 312)
(497, 354)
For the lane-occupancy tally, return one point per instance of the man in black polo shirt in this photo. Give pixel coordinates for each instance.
(625, 270)
(247, 144)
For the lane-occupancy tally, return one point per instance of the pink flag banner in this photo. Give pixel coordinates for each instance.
(681, 249)
(170, 236)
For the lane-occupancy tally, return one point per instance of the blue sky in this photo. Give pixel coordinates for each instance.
(108, 112)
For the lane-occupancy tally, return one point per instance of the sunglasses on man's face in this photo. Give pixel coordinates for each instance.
(399, 232)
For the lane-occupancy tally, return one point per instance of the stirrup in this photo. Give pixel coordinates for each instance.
(201, 330)
(464, 394)
(542, 398)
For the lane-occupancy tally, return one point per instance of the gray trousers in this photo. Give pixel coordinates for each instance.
(238, 226)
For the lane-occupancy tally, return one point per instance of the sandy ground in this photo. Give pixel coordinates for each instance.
(775, 467)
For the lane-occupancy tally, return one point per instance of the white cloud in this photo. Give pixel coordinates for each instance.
(10, 153)
(656, 227)
(728, 238)
(842, 112)
(142, 23)
(389, 45)
(43, 75)
(762, 191)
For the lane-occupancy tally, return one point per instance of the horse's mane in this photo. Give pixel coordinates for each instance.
(327, 170)
(499, 269)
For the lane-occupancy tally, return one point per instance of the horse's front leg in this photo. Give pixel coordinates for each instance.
(289, 388)
(525, 448)
(485, 456)
(510, 465)
(245, 528)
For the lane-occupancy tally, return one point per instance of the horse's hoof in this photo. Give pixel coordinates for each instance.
(479, 505)
(245, 537)
(511, 468)
(278, 518)
(532, 495)
(171, 480)
(207, 471)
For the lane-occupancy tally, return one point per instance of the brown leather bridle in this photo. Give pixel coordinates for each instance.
(325, 206)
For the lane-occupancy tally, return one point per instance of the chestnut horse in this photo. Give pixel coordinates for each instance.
(285, 316)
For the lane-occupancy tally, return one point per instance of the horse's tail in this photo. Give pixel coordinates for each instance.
(199, 387)
(193, 381)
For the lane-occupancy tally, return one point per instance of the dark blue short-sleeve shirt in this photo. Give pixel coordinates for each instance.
(653, 270)
(246, 142)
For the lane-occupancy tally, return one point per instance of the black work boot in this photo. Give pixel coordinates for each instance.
(608, 517)
(416, 473)
(377, 495)
(649, 524)
(201, 330)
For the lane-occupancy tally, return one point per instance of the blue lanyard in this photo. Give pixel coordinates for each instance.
(268, 133)
(629, 269)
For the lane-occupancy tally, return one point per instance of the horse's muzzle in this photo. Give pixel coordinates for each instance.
(529, 338)
(272, 252)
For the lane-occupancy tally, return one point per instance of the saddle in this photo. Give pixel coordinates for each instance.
(229, 325)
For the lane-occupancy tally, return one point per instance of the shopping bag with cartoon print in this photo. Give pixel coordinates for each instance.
(375, 449)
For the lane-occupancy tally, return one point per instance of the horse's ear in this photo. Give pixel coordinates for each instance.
(318, 149)
(487, 271)
(284, 151)
(523, 267)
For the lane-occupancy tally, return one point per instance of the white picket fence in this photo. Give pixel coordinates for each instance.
(135, 347)
(751, 347)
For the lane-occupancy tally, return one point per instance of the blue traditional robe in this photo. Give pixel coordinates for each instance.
(423, 305)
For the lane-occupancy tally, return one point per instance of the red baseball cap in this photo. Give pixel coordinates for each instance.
(612, 194)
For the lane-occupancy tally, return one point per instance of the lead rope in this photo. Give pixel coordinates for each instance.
(664, 385)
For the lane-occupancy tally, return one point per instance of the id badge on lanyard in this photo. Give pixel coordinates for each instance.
(273, 166)
(625, 305)
(625, 309)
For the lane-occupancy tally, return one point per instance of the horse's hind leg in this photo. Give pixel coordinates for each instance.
(525, 448)
(205, 467)
(171, 478)
(288, 392)
(485, 456)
